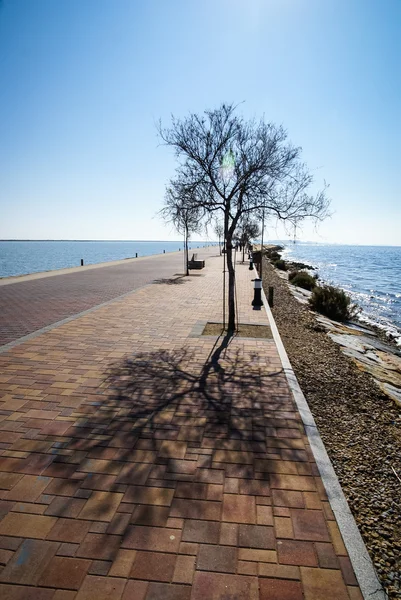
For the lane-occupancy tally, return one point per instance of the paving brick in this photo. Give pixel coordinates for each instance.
(229, 534)
(292, 552)
(172, 449)
(99, 567)
(347, 571)
(101, 506)
(288, 499)
(20, 524)
(156, 516)
(119, 524)
(152, 538)
(100, 482)
(65, 507)
(192, 490)
(256, 536)
(168, 591)
(153, 566)
(283, 527)
(149, 495)
(28, 489)
(9, 480)
(254, 487)
(66, 573)
(309, 525)
(28, 562)
(189, 548)
(206, 532)
(335, 536)
(10, 543)
(122, 564)
(354, 593)
(217, 558)
(184, 569)
(216, 586)
(17, 592)
(292, 482)
(196, 509)
(279, 589)
(257, 555)
(264, 515)
(101, 588)
(326, 556)
(247, 568)
(239, 509)
(67, 549)
(5, 556)
(135, 590)
(279, 571)
(134, 474)
(323, 583)
(69, 530)
(99, 546)
(64, 595)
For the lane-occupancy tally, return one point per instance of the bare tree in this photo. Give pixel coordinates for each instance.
(239, 168)
(186, 218)
(219, 231)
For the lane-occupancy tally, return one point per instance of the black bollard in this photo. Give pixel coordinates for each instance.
(250, 262)
(136, 254)
(270, 297)
(82, 262)
(164, 252)
(257, 294)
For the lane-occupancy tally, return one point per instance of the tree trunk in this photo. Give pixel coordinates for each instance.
(231, 284)
(186, 253)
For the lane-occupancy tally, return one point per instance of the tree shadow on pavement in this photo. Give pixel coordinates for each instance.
(169, 423)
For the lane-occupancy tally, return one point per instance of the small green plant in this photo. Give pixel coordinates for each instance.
(333, 302)
(280, 264)
(302, 279)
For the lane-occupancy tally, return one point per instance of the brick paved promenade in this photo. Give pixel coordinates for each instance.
(140, 461)
(27, 305)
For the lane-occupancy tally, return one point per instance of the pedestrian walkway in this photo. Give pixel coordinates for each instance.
(143, 461)
(35, 301)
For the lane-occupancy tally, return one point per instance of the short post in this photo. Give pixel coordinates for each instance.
(257, 297)
(136, 254)
(270, 296)
(164, 252)
(82, 262)
(250, 262)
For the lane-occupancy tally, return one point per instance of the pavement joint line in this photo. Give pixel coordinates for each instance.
(34, 334)
(365, 573)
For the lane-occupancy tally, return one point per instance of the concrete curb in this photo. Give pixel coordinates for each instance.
(364, 570)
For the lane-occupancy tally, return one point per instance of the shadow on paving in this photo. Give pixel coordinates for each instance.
(166, 426)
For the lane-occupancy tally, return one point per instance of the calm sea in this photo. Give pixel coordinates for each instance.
(20, 258)
(371, 275)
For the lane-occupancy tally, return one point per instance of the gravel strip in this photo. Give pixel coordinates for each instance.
(359, 425)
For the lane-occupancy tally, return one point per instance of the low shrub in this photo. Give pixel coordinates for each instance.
(333, 302)
(302, 279)
(280, 264)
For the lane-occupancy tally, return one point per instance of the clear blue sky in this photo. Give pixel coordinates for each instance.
(84, 81)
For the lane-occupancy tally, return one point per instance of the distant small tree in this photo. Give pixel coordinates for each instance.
(239, 168)
(186, 220)
(219, 231)
(247, 231)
